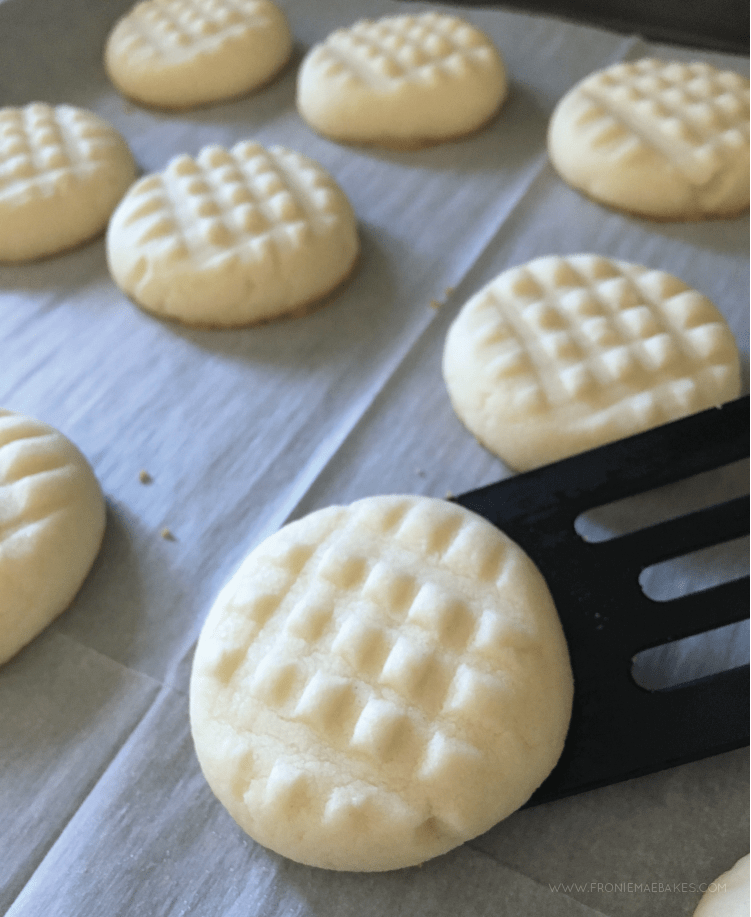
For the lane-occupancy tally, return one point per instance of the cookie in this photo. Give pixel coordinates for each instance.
(178, 54)
(404, 81)
(727, 896)
(666, 141)
(564, 354)
(62, 172)
(51, 525)
(378, 683)
(233, 237)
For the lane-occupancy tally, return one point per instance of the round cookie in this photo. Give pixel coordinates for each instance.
(62, 172)
(52, 520)
(233, 237)
(379, 683)
(178, 54)
(727, 896)
(667, 141)
(564, 354)
(403, 81)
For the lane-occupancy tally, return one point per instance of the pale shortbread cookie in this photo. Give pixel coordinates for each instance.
(233, 237)
(179, 54)
(378, 683)
(62, 172)
(402, 81)
(668, 141)
(51, 525)
(727, 896)
(564, 354)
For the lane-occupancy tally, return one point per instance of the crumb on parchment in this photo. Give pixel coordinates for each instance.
(144, 477)
(437, 303)
(167, 534)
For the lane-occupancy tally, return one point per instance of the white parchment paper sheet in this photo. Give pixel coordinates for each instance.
(103, 810)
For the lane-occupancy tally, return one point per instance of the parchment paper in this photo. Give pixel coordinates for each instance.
(103, 810)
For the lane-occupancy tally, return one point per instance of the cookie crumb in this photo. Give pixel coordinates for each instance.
(448, 291)
(144, 477)
(449, 495)
(167, 535)
(434, 304)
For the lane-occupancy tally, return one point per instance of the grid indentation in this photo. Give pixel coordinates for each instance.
(168, 28)
(35, 471)
(428, 47)
(570, 329)
(693, 114)
(244, 202)
(373, 632)
(45, 148)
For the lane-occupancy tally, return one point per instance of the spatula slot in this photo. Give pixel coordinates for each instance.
(681, 661)
(698, 570)
(661, 504)
(678, 537)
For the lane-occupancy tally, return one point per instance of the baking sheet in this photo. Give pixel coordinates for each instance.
(102, 806)
(723, 26)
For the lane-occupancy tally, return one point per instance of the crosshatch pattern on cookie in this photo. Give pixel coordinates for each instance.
(174, 28)
(427, 49)
(382, 682)
(52, 517)
(33, 474)
(241, 203)
(562, 330)
(372, 655)
(695, 115)
(46, 149)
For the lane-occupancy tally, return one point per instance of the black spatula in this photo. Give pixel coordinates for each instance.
(618, 729)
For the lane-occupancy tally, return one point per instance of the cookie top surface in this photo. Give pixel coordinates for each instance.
(402, 80)
(51, 526)
(560, 355)
(184, 53)
(379, 683)
(232, 237)
(62, 171)
(727, 896)
(663, 140)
